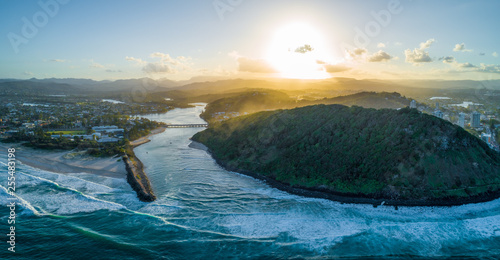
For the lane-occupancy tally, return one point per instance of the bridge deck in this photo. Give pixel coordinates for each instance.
(186, 125)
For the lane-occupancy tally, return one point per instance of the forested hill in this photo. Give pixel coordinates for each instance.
(260, 100)
(365, 99)
(400, 155)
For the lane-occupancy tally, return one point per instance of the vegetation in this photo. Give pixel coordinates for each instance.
(260, 100)
(43, 140)
(391, 154)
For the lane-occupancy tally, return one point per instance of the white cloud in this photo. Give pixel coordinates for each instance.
(491, 68)
(356, 52)
(157, 68)
(167, 64)
(419, 55)
(58, 60)
(465, 65)
(461, 47)
(381, 45)
(137, 60)
(96, 65)
(427, 44)
(453, 62)
(447, 59)
(495, 54)
(379, 56)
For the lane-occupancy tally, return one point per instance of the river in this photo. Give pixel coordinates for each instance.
(205, 212)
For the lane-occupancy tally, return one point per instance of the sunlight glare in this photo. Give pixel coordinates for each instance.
(289, 53)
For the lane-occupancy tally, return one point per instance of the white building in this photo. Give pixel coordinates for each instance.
(475, 120)
(413, 104)
(486, 138)
(438, 113)
(461, 120)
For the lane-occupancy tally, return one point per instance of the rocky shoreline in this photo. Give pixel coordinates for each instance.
(352, 198)
(136, 177)
(138, 180)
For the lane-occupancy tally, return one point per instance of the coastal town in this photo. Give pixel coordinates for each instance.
(112, 123)
(68, 119)
(481, 120)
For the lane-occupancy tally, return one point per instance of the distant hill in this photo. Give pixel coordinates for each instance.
(29, 88)
(367, 100)
(261, 99)
(402, 156)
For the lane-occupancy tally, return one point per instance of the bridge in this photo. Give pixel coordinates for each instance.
(186, 125)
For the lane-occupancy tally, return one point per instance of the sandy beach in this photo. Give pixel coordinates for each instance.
(68, 161)
(145, 139)
(75, 162)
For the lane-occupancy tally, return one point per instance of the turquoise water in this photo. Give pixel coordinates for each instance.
(205, 212)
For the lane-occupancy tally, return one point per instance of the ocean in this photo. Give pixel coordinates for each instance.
(206, 212)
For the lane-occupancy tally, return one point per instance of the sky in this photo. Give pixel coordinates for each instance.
(179, 40)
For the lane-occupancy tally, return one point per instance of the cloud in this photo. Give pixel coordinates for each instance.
(453, 62)
(495, 54)
(166, 63)
(333, 68)
(398, 43)
(137, 60)
(489, 68)
(28, 73)
(381, 45)
(304, 49)
(465, 65)
(157, 67)
(461, 47)
(356, 52)
(482, 54)
(427, 44)
(379, 56)
(447, 59)
(58, 60)
(254, 65)
(96, 65)
(419, 55)
(114, 71)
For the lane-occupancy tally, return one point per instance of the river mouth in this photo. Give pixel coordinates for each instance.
(206, 212)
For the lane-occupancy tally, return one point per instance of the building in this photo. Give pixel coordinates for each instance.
(109, 129)
(461, 120)
(28, 125)
(486, 138)
(438, 113)
(413, 104)
(104, 128)
(108, 140)
(475, 120)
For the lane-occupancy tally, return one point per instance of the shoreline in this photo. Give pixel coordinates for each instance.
(145, 139)
(136, 176)
(64, 162)
(346, 198)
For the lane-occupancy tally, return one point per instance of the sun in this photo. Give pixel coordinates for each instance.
(297, 51)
